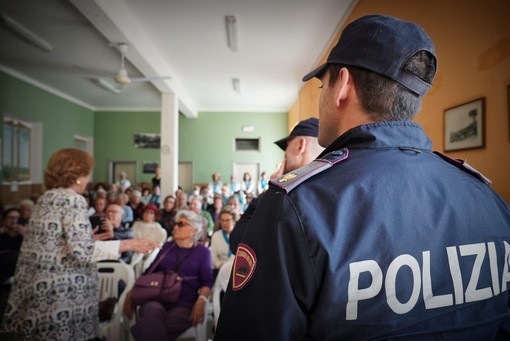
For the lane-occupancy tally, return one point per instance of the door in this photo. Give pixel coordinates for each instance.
(123, 166)
(185, 176)
(239, 168)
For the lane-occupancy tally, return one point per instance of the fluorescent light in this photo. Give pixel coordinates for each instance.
(25, 33)
(107, 86)
(236, 85)
(231, 22)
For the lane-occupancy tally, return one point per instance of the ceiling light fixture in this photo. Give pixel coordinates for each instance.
(231, 22)
(25, 33)
(236, 85)
(107, 86)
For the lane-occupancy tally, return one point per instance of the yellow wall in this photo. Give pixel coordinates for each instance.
(472, 40)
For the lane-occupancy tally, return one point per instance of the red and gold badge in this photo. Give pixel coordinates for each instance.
(244, 266)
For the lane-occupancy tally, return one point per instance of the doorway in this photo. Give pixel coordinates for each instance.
(129, 167)
(239, 168)
(185, 176)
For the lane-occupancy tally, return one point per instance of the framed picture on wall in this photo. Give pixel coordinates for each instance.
(149, 167)
(464, 126)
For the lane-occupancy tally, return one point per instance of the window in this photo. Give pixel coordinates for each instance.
(16, 153)
(247, 144)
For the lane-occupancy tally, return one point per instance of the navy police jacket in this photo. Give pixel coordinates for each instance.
(379, 238)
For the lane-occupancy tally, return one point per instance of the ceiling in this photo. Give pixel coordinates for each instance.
(279, 41)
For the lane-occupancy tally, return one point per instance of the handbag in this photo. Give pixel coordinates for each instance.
(164, 286)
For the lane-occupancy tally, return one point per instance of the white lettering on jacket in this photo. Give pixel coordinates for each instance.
(423, 280)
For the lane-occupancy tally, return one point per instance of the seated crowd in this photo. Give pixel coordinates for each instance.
(138, 212)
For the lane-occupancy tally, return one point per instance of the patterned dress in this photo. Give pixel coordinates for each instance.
(54, 295)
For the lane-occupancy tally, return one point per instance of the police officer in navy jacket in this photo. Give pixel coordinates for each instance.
(379, 237)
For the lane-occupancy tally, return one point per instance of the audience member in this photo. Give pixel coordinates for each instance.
(136, 204)
(233, 185)
(167, 214)
(148, 227)
(25, 209)
(215, 209)
(146, 195)
(263, 184)
(115, 215)
(156, 180)
(247, 185)
(182, 200)
(195, 205)
(99, 206)
(122, 201)
(155, 197)
(192, 261)
(123, 181)
(11, 238)
(215, 185)
(233, 202)
(220, 250)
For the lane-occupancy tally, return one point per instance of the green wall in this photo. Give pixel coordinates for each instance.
(113, 141)
(209, 142)
(60, 118)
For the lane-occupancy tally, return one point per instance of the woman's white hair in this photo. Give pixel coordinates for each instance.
(195, 219)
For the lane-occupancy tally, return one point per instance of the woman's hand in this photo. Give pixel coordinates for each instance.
(139, 245)
(198, 312)
(129, 307)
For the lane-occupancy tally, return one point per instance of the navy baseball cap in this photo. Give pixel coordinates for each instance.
(381, 44)
(308, 127)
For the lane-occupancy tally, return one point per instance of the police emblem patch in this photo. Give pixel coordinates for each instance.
(287, 177)
(244, 266)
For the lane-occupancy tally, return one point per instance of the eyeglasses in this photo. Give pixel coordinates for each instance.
(115, 212)
(182, 224)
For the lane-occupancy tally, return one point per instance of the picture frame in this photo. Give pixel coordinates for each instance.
(464, 126)
(147, 140)
(149, 167)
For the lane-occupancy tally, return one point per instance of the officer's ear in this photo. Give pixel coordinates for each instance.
(343, 86)
(303, 143)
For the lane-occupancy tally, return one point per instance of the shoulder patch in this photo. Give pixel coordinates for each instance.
(290, 180)
(463, 165)
(244, 266)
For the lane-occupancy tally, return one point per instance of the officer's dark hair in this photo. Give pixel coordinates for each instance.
(384, 99)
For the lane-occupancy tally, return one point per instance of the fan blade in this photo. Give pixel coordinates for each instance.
(107, 85)
(148, 79)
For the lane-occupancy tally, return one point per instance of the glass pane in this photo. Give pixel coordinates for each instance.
(24, 153)
(7, 152)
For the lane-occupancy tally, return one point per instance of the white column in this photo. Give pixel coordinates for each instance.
(169, 143)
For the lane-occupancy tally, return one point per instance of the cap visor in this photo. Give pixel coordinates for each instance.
(317, 72)
(282, 143)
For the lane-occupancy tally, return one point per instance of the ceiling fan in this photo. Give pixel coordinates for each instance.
(122, 78)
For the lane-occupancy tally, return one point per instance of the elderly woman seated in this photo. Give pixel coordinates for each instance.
(191, 260)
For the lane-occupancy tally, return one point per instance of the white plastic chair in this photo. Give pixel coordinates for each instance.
(220, 286)
(110, 274)
(137, 263)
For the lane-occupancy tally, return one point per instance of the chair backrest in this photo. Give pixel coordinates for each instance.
(137, 263)
(220, 286)
(150, 259)
(115, 279)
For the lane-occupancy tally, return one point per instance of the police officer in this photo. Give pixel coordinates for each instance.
(301, 147)
(379, 238)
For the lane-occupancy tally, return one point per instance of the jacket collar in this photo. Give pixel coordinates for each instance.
(387, 134)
